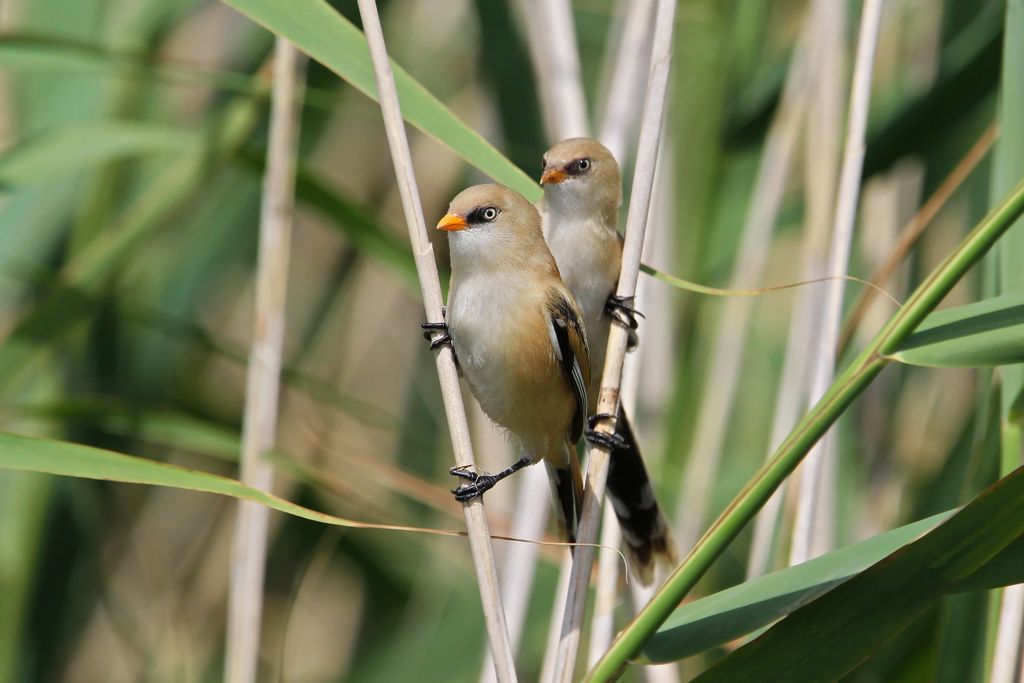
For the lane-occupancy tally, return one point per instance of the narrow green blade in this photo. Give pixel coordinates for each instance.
(826, 639)
(729, 614)
(332, 40)
(74, 460)
(986, 333)
(70, 148)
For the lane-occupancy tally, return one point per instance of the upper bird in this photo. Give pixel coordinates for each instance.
(519, 339)
(582, 196)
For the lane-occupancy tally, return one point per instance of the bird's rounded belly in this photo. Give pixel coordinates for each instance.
(520, 387)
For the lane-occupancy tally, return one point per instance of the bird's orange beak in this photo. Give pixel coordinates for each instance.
(451, 222)
(553, 176)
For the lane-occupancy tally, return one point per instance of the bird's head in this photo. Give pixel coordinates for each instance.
(581, 177)
(491, 224)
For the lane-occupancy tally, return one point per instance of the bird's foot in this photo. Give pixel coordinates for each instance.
(622, 310)
(476, 484)
(611, 441)
(597, 417)
(444, 339)
(464, 472)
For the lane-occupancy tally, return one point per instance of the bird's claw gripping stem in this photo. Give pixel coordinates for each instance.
(476, 483)
(611, 441)
(435, 343)
(621, 309)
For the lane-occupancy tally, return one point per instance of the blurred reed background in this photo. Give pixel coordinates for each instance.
(134, 136)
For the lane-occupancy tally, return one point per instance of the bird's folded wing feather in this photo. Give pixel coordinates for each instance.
(570, 346)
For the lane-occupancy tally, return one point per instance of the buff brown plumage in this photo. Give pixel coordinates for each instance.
(519, 338)
(582, 197)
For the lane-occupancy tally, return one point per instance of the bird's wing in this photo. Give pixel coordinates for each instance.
(569, 342)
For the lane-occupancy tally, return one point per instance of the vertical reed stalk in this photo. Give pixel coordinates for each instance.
(602, 624)
(430, 285)
(653, 362)
(725, 365)
(547, 669)
(1009, 168)
(822, 157)
(791, 399)
(814, 470)
(519, 564)
(1009, 637)
(245, 600)
(916, 226)
(822, 30)
(552, 39)
(625, 66)
(556, 65)
(636, 224)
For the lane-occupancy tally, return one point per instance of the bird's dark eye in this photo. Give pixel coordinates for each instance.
(579, 166)
(489, 214)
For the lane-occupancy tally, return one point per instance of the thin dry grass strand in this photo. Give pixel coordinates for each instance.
(430, 285)
(730, 337)
(707, 290)
(249, 547)
(651, 123)
(344, 522)
(816, 467)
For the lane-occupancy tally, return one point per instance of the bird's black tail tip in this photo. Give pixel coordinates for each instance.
(646, 554)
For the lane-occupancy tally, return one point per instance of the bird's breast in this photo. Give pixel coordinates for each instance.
(499, 330)
(497, 325)
(588, 258)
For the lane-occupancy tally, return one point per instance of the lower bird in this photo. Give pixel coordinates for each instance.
(518, 337)
(582, 196)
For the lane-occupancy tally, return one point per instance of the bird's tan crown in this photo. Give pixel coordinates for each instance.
(512, 207)
(571, 149)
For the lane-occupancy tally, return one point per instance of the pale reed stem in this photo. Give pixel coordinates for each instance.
(726, 362)
(651, 123)
(816, 465)
(626, 67)
(249, 548)
(430, 285)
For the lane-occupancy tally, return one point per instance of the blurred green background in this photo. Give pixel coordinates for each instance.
(133, 136)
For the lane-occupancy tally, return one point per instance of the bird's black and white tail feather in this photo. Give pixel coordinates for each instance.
(645, 531)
